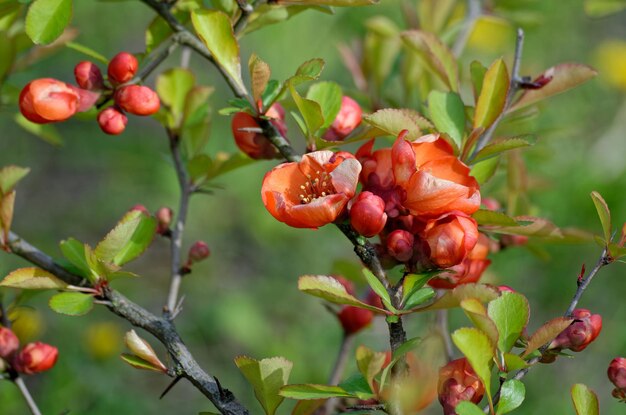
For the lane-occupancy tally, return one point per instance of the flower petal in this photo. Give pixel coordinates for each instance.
(346, 177)
(319, 212)
(428, 195)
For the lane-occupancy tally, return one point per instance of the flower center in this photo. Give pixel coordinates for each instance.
(317, 185)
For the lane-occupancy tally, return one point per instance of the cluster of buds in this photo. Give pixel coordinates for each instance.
(248, 135)
(418, 197)
(50, 100)
(577, 336)
(458, 382)
(617, 376)
(32, 358)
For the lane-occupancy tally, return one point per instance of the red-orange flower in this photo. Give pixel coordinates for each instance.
(48, 100)
(468, 271)
(35, 357)
(312, 192)
(450, 238)
(458, 382)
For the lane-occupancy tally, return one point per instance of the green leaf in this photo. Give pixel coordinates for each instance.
(452, 298)
(562, 78)
(71, 304)
(498, 147)
(447, 112)
(337, 3)
(369, 363)
(216, 32)
(271, 93)
(546, 333)
(173, 87)
(398, 354)
(510, 313)
(601, 8)
(7, 53)
(513, 362)
(477, 72)
(259, 76)
(492, 96)
(87, 51)
(129, 239)
(476, 346)
(468, 408)
(74, 251)
(268, 14)
(7, 203)
(528, 226)
(138, 363)
(331, 290)
(328, 95)
(357, 385)
(419, 297)
(307, 407)
(512, 395)
(46, 20)
(33, 278)
(492, 218)
(10, 176)
(477, 313)
(603, 213)
(312, 391)
(311, 68)
(267, 376)
(378, 288)
(413, 283)
(196, 123)
(436, 55)
(310, 110)
(46, 132)
(380, 49)
(484, 170)
(585, 400)
(393, 121)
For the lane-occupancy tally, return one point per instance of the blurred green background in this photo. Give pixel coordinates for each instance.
(244, 300)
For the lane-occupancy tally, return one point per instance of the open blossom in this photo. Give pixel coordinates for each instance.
(422, 178)
(312, 192)
(458, 382)
(35, 357)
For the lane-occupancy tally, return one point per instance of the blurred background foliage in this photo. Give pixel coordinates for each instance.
(244, 300)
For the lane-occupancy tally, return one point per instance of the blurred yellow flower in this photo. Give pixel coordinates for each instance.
(610, 59)
(491, 34)
(26, 323)
(103, 340)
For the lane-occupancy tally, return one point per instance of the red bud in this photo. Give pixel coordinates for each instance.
(48, 100)
(458, 382)
(164, 219)
(354, 319)
(617, 372)
(122, 68)
(138, 100)
(254, 144)
(400, 245)
(367, 214)
(348, 118)
(35, 357)
(112, 121)
(198, 252)
(140, 208)
(88, 76)
(585, 328)
(9, 342)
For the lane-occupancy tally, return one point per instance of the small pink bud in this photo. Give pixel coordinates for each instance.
(400, 245)
(348, 118)
(164, 219)
(367, 214)
(112, 121)
(505, 289)
(137, 99)
(88, 76)
(491, 203)
(585, 328)
(122, 68)
(140, 208)
(198, 252)
(617, 372)
(35, 357)
(354, 319)
(9, 342)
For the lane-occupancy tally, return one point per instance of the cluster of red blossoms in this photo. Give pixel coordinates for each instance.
(49, 100)
(416, 196)
(32, 358)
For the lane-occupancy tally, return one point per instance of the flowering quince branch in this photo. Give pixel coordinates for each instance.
(161, 328)
(583, 284)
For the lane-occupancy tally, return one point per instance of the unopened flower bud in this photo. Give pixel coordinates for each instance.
(48, 100)
(450, 239)
(373, 299)
(277, 115)
(400, 245)
(143, 350)
(367, 214)
(347, 284)
(140, 208)
(585, 328)
(617, 372)
(354, 319)
(88, 76)
(458, 382)
(122, 68)
(198, 252)
(252, 143)
(9, 342)
(348, 118)
(164, 219)
(35, 357)
(491, 203)
(505, 289)
(138, 100)
(112, 121)
(514, 240)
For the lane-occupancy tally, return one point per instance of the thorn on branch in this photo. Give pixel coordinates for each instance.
(171, 385)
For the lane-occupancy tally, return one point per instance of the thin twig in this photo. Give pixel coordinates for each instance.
(340, 364)
(513, 88)
(161, 328)
(474, 11)
(582, 286)
(441, 317)
(32, 405)
(176, 245)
